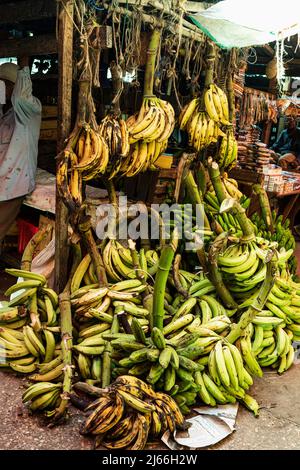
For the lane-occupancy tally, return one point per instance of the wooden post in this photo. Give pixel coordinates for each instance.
(65, 56)
(268, 126)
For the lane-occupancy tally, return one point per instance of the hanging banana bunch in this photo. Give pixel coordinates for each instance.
(92, 153)
(150, 129)
(228, 151)
(86, 153)
(216, 104)
(113, 128)
(203, 118)
(202, 130)
(85, 157)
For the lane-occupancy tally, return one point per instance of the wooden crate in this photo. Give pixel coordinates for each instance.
(246, 176)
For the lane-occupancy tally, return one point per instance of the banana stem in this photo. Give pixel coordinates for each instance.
(210, 60)
(87, 235)
(34, 314)
(66, 347)
(195, 196)
(117, 86)
(90, 389)
(215, 274)
(258, 303)
(151, 62)
(264, 206)
(141, 275)
(215, 177)
(76, 259)
(231, 98)
(201, 178)
(82, 101)
(148, 304)
(106, 364)
(66, 328)
(161, 278)
(160, 223)
(202, 258)
(236, 209)
(32, 245)
(176, 276)
(247, 228)
(111, 190)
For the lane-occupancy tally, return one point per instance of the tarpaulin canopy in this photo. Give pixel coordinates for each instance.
(236, 23)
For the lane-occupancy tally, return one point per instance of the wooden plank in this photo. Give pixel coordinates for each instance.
(27, 10)
(49, 112)
(49, 124)
(48, 134)
(65, 60)
(32, 46)
(168, 174)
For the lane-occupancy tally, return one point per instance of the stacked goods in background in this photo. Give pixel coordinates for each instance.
(252, 153)
(257, 106)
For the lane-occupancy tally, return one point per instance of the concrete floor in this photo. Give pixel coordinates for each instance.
(278, 426)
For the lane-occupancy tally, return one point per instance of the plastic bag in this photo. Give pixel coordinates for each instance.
(44, 263)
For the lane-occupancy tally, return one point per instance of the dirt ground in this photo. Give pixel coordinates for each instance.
(278, 426)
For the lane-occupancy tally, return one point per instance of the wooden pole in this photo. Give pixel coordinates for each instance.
(65, 56)
(268, 126)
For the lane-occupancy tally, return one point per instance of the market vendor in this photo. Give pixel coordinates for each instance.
(288, 145)
(20, 120)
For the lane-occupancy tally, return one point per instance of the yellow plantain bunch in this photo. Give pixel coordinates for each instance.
(92, 153)
(149, 131)
(216, 104)
(202, 120)
(201, 128)
(228, 151)
(115, 133)
(85, 157)
(128, 412)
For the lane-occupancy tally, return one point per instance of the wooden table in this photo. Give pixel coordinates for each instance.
(289, 208)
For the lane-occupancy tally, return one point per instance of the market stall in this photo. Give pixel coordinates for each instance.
(155, 310)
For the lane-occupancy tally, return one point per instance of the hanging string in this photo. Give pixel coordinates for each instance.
(252, 55)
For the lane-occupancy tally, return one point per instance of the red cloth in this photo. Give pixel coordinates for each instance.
(26, 232)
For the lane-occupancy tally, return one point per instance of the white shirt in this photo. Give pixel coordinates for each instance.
(19, 135)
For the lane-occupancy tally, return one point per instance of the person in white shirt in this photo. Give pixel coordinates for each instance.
(20, 120)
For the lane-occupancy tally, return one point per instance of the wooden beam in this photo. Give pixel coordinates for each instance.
(194, 7)
(32, 46)
(65, 61)
(27, 10)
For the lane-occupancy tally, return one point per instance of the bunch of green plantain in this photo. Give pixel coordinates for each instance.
(243, 266)
(43, 396)
(128, 412)
(28, 323)
(118, 265)
(282, 234)
(224, 221)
